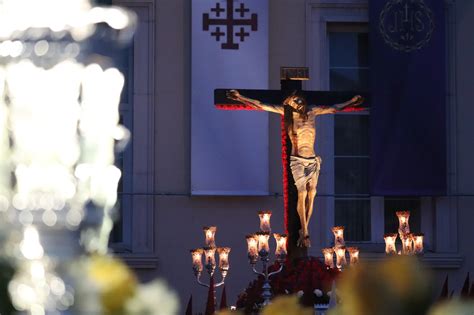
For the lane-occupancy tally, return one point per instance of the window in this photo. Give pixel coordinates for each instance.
(353, 205)
(341, 24)
(348, 71)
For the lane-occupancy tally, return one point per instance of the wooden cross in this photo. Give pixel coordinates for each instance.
(291, 80)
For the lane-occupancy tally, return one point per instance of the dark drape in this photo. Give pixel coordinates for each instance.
(408, 91)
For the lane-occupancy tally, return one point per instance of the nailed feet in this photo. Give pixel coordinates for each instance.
(303, 240)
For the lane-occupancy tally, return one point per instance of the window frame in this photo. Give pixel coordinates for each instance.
(124, 206)
(138, 245)
(348, 28)
(438, 214)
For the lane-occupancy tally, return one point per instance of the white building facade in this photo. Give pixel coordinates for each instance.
(162, 220)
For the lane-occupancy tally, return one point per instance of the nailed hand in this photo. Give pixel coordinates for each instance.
(233, 95)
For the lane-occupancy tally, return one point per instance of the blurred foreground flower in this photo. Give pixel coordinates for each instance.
(286, 305)
(399, 285)
(154, 298)
(453, 307)
(116, 283)
(122, 295)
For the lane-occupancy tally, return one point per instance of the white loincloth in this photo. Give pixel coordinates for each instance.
(305, 170)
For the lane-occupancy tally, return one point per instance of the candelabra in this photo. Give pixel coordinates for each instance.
(412, 244)
(259, 250)
(209, 252)
(339, 250)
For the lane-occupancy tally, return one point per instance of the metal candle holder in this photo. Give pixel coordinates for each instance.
(209, 252)
(259, 250)
(263, 256)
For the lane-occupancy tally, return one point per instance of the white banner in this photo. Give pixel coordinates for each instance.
(229, 149)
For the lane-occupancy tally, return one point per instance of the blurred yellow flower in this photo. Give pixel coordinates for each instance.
(453, 307)
(286, 305)
(115, 281)
(398, 285)
(153, 298)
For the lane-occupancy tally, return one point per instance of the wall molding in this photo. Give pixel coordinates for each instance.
(431, 260)
(140, 261)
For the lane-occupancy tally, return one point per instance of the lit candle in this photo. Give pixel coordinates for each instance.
(210, 255)
(197, 259)
(223, 259)
(328, 257)
(407, 243)
(418, 243)
(210, 233)
(338, 236)
(265, 220)
(403, 224)
(353, 254)
(340, 256)
(280, 251)
(263, 247)
(390, 247)
(252, 247)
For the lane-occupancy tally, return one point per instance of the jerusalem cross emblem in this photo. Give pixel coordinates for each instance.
(229, 23)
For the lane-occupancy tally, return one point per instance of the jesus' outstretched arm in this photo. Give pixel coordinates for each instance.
(236, 96)
(322, 110)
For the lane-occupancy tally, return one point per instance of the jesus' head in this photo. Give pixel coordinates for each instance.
(297, 102)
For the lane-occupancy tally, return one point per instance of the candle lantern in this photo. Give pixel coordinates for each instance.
(252, 248)
(210, 233)
(403, 227)
(210, 258)
(259, 250)
(411, 243)
(340, 256)
(407, 243)
(197, 259)
(338, 236)
(390, 247)
(280, 251)
(328, 257)
(353, 254)
(209, 252)
(265, 220)
(418, 243)
(223, 259)
(263, 246)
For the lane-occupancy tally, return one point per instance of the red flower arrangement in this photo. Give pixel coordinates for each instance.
(306, 275)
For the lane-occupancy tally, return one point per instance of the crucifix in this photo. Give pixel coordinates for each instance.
(301, 165)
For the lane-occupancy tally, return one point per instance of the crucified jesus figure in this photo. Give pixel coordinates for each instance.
(304, 164)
